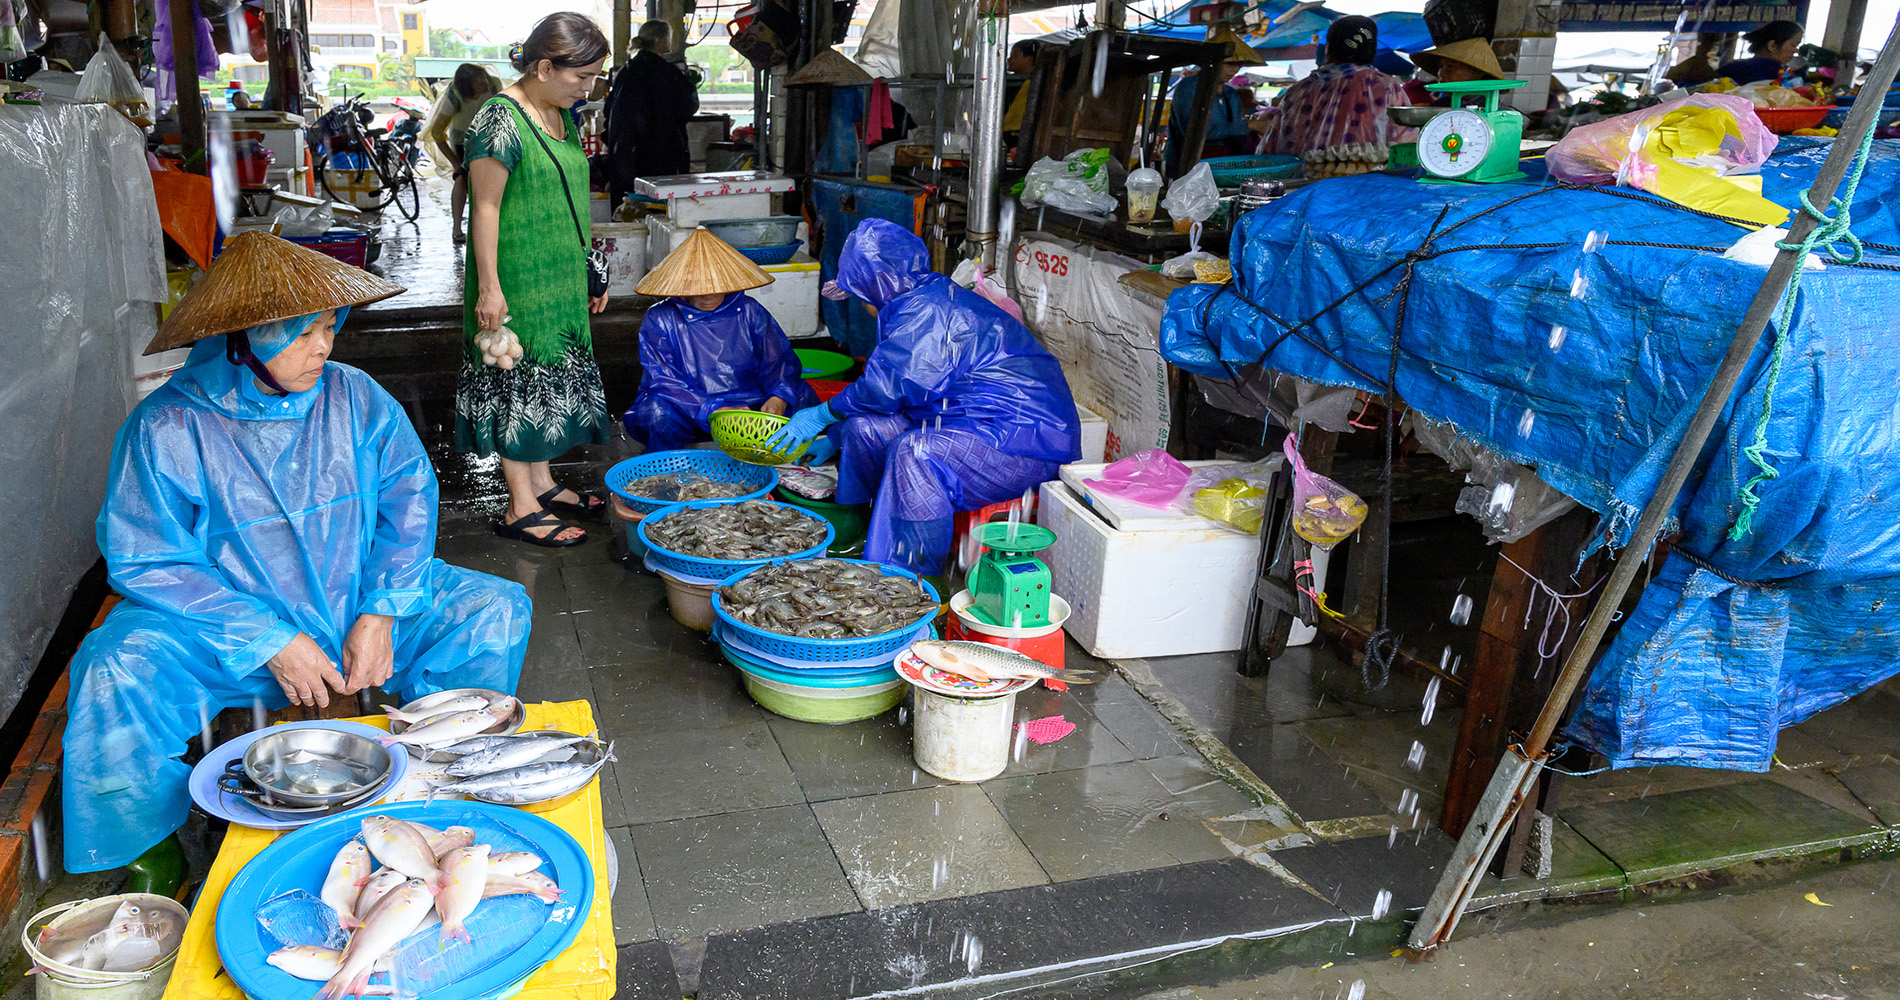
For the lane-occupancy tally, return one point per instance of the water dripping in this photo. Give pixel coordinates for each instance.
(1579, 285)
(1022, 743)
(1501, 496)
(1357, 991)
(971, 951)
(1100, 78)
(1431, 702)
(903, 716)
(1391, 838)
(939, 873)
(1042, 303)
(42, 850)
(1460, 610)
(257, 714)
(1381, 905)
(1408, 800)
(1416, 759)
(1594, 242)
(1526, 422)
(1557, 335)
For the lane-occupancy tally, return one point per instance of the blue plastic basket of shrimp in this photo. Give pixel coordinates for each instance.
(659, 557)
(714, 465)
(821, 651)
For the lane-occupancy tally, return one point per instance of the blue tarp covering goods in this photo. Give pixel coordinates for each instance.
(1576, 330)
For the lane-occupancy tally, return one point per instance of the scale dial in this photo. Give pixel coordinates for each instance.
(1453, 144)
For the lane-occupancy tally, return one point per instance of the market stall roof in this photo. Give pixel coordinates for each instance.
(1300, 24)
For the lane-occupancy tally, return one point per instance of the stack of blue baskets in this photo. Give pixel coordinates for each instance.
(690, 579)
(714, 465)
(819, 680)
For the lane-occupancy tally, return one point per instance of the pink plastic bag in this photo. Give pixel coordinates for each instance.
(996, 296)
(1602, 152)
(1152, 478)
(1324, 512)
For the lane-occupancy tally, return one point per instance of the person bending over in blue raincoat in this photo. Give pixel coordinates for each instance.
(708, 346)
(958, 406)
(270, 521)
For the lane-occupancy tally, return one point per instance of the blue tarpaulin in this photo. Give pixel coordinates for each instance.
(1400, 30)
(838, 205)
(1575, 331)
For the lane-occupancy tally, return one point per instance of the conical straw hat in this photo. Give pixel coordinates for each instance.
(703, 265)
(260, 278)
(1473, 52)
(828, 66)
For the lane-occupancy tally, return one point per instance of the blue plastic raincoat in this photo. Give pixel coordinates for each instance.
(235, 519)
(694, 362)
(959, 406)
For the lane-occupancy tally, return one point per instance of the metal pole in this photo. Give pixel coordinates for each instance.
(1111, 15)
(190, 106)
(986, 160)
(1517, 774)
(623, 31)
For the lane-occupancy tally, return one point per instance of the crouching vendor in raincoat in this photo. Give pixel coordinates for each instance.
(958, 406)
(270, 521)
(708, 346)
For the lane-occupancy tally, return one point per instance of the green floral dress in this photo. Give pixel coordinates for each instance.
(552, 400)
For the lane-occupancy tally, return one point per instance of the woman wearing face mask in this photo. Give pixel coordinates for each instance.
(527, 270)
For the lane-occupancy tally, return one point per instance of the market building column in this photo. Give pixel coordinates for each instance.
(992, 57)
(1844, 20)
(623, 31)
(191, 109)
(1524, 36)
(1111, 15)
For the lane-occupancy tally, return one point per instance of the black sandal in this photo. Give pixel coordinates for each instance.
(518, 530)
(590, 506)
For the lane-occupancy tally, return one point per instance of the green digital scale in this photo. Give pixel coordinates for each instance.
(1463, 145)
(1009, 586)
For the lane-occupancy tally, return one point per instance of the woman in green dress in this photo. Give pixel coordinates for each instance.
(527, 271)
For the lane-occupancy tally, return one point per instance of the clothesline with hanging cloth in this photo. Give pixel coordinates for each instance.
(1573, 330)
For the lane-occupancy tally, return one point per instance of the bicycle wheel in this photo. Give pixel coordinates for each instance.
(407, 192)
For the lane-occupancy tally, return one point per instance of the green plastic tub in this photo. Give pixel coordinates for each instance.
(849, 522)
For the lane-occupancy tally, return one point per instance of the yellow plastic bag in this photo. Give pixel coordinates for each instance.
(1233, 501)
(1702, 152)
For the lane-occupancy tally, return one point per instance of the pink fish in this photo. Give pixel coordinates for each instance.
(341, 887)
(395, 918)
(512, 885)
(464, 877)
(401, 847)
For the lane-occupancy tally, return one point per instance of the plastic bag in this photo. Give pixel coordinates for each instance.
(970, 276)
(1077, 178)
(1702, 152)
(108, 80)
(1194, 196)
(1183, 266)
(1233, 501)
(1152, 478)
(1324, 512)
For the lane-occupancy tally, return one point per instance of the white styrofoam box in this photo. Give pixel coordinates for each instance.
(690, 212)
(663, 238)
(360, 188)
(625, 244)
(283, 135)
(1146, 593)
(792, 297)
(1094, 434)
(598, 204)
(724, 182)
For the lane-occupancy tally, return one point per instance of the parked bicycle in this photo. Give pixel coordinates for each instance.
(343, 142)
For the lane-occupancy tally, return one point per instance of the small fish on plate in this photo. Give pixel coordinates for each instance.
(981, 661)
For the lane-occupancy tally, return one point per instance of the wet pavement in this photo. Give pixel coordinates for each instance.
(1191, 807)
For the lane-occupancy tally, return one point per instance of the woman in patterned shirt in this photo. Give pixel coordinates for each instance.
(1343, 102)
(527, 269)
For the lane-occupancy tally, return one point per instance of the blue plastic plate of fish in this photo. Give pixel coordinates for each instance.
(275, 903)
(233, 808)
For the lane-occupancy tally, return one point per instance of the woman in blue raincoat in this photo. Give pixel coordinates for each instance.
(270, 520)
(708, 346)
(958, 406)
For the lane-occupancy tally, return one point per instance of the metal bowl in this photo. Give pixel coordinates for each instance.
(1413, 117)
(513, 722)
(315, 768)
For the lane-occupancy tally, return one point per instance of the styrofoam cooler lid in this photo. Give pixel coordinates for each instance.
(1126, 515)
(709, 185)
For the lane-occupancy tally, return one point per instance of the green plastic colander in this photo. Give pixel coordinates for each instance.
(743, 433)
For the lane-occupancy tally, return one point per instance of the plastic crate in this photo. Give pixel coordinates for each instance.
(1230, 171)
(679, 564)
(711, 464)
(820, 651)
(351, 248)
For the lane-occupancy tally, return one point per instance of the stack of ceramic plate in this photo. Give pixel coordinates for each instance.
(819, 680)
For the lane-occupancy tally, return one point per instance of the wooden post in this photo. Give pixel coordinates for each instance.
(191, 108)
(1510, 681)
(623, 31)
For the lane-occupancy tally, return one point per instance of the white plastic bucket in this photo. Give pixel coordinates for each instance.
(962, 739)
(59, 981)
(625, 244)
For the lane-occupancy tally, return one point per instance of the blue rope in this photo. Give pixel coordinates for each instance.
(1827, 232)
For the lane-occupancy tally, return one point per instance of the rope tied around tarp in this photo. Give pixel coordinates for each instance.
(1828, 233)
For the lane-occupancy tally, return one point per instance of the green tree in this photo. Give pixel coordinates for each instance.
(399, 70)
(444, 44)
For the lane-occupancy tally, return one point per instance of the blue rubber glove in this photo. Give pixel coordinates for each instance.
(821, 449)
(806, 424)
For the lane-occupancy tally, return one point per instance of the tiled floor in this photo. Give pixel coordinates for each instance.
(742, 834)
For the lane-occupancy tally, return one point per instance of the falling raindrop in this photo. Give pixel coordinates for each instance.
(1391, 838)
(1594, 242)
(1579, 285)
(1357, 991)
(972, 952)
(204, 725)
(42, 851)
(1022, 743)
(1431, 702)
(1042, 303)
(1408, 800)
(257, 714)
(903, 716)
(1101, 67)
(1557, 335)
(1416, 759)
(939, 873)
(1381, 906)
(1526, 422)
(1461, 610)
(1501, 496)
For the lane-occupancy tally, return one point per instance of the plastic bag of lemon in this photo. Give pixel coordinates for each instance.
(585, 971)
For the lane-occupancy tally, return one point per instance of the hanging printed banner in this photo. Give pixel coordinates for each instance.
(1107, 339)
(1708, 16)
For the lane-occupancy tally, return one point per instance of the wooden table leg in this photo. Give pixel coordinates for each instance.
(1509, 682)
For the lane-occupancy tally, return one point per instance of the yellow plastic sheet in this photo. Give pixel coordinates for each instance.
(585, 971)
(1691, 132)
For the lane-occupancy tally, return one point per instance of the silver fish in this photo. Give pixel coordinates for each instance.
(517, 752)
(981, 661)
(417, 716)
(475, 744)
(533, 783)
(447, 729)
